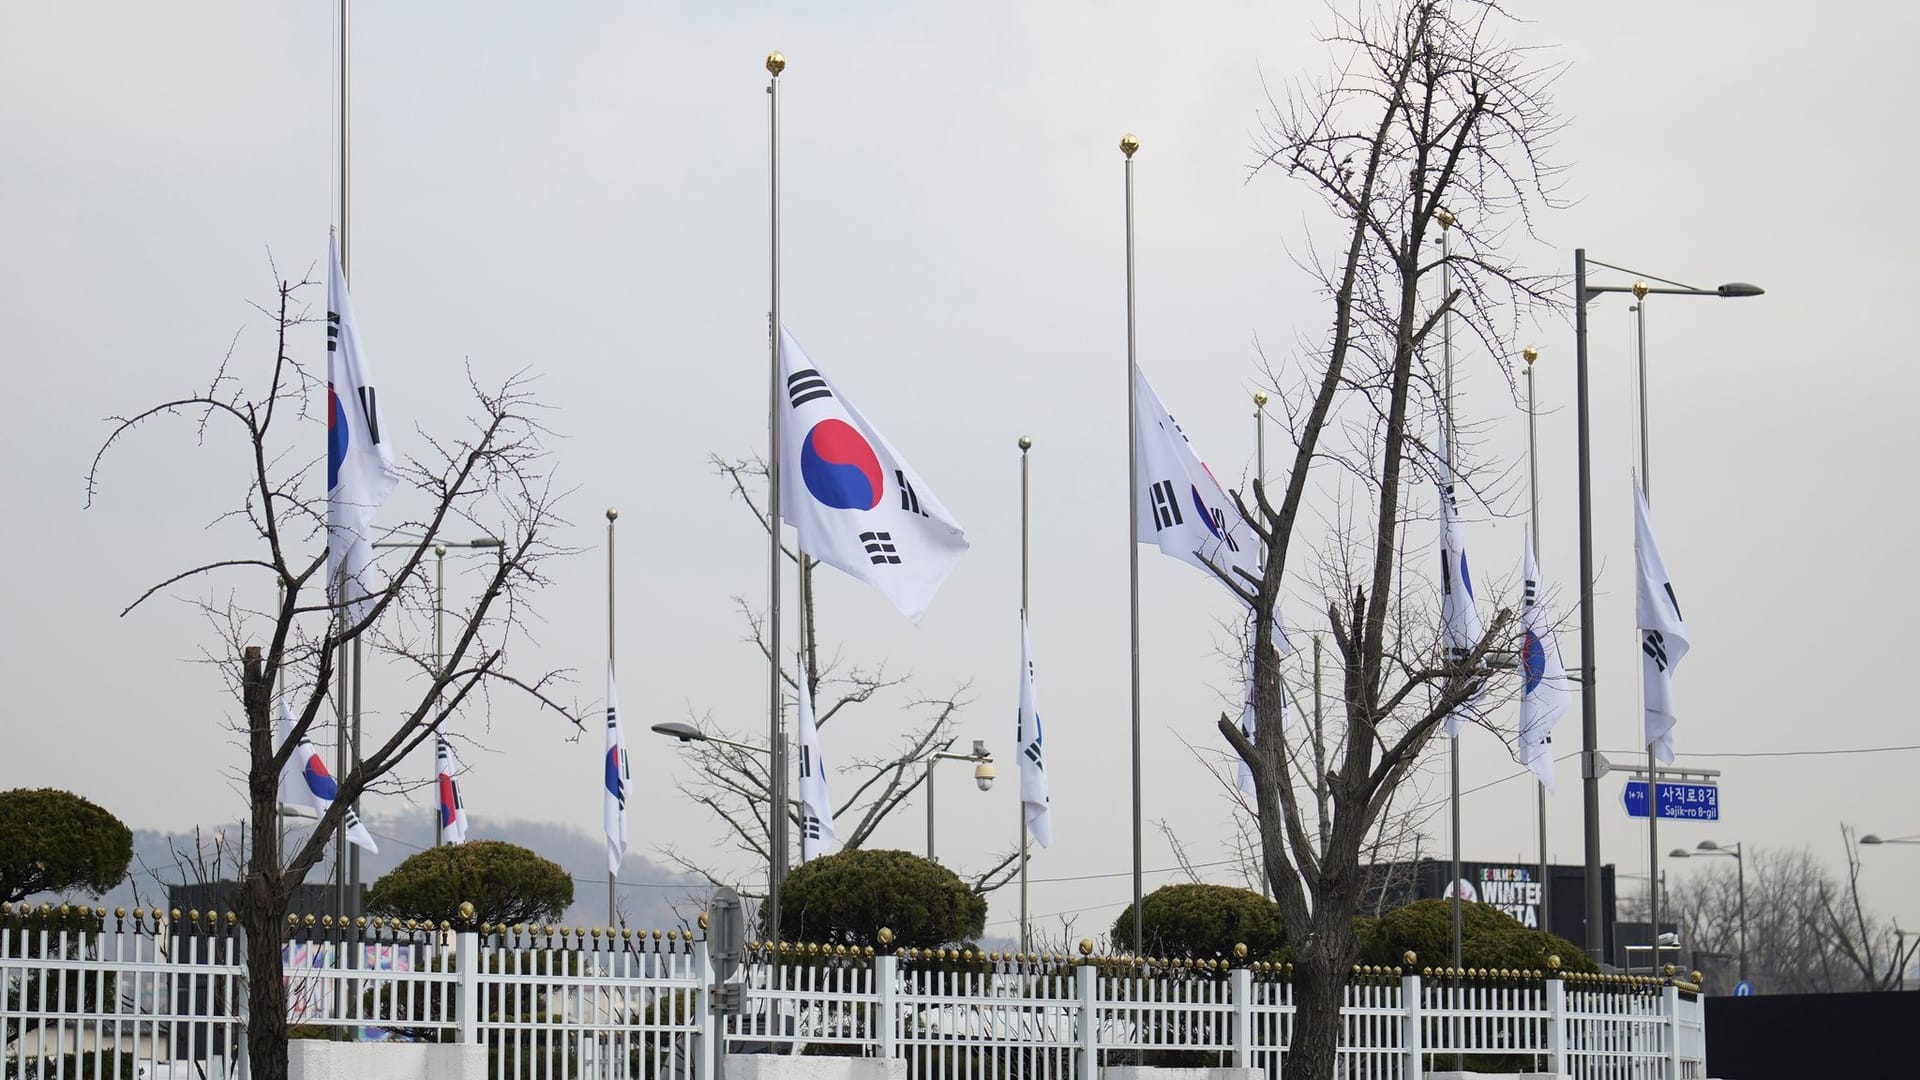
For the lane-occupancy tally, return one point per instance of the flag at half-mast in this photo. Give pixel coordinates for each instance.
(1183, 510)
(360, 468)
(453, 808)
(1035, 799)
(816, 804)
(305, 781)
(1663, 633)
(856, 503)
(1460, 627)
(618, 777)
(1544, 691)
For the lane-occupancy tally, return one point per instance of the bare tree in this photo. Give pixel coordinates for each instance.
(1428, 117)
(1807, 932)
(733, 783)
(489, 477)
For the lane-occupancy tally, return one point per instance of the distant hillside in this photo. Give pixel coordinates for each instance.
(650, 895)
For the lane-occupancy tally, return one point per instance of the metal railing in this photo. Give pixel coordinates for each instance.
(88, 994)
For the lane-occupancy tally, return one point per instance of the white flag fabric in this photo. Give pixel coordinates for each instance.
(1663, 633)
(1035, 800)
(1460, 627)
(816, 804)
(1544, 691)
(1183, 510)
(618, 774)
(856, 503)
(305, 781)
(360, 469)
(453, 809)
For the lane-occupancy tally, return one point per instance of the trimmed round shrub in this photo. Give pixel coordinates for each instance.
(56, 841)
(845, 898)
(506, 883)
(1489, 938)
(1203, 922)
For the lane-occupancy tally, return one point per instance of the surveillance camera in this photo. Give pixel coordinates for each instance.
(983, 775)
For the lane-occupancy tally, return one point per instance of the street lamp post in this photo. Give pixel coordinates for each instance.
(1708, 847)
(1589, 702)
(1899, 935)
(439, 640)
(983, 774)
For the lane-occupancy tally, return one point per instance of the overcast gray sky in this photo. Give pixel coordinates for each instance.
(580, 189)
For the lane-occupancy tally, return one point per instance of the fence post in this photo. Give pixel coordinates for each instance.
(466, 967)
(1087, 1035)
(711, 1041)
(1241, 986)
(242, 1059)
(1556, 1024)
(886, 1013)
(1670, 1005)
(1415, 1066)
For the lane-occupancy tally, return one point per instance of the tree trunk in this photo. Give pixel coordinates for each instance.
(266, 986)
(263, 907)
(1320, 984)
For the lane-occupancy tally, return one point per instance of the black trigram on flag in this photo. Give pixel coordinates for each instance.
(370, 408)
(909, 501)
(1530, 593)
(880, 548)
(333, 331)
(806, 762)
(806, 385)
(810, 826)
(1166, 506)
(1655, 646)
(1446, 572)
(1220, 528)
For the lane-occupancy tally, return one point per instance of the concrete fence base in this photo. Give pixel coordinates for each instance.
(1148, 1072)
(321, 1059)
(785, 1067)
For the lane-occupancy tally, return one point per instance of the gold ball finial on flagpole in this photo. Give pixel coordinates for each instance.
(1529, 354)
(1129, 144)
(1640, 290)
(612, 513)
(1026, 444)
(1259, 399)
(1445, 217)
(776, 63)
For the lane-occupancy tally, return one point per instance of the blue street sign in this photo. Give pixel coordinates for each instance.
(1678, 801)
(1743, 989)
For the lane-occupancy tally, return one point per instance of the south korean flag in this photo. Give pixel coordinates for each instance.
(816, 804)
(856, 503)
(1183, 510)
(1664, 640)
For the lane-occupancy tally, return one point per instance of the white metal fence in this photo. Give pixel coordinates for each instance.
(91, 995)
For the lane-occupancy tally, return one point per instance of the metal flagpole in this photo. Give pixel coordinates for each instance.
(1128, 146)
(439, 659)
(1026, 444)
(340, 904)
(613, 910)
(1653, 764)
(1530, 354)
(1446, 353)
(776, 760)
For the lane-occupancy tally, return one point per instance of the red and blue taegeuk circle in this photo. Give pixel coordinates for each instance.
(337, 435)
(840, 467)
(614, 785)
(1533, 661)
(319, 781)
(446, 800)
(1206, 515)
